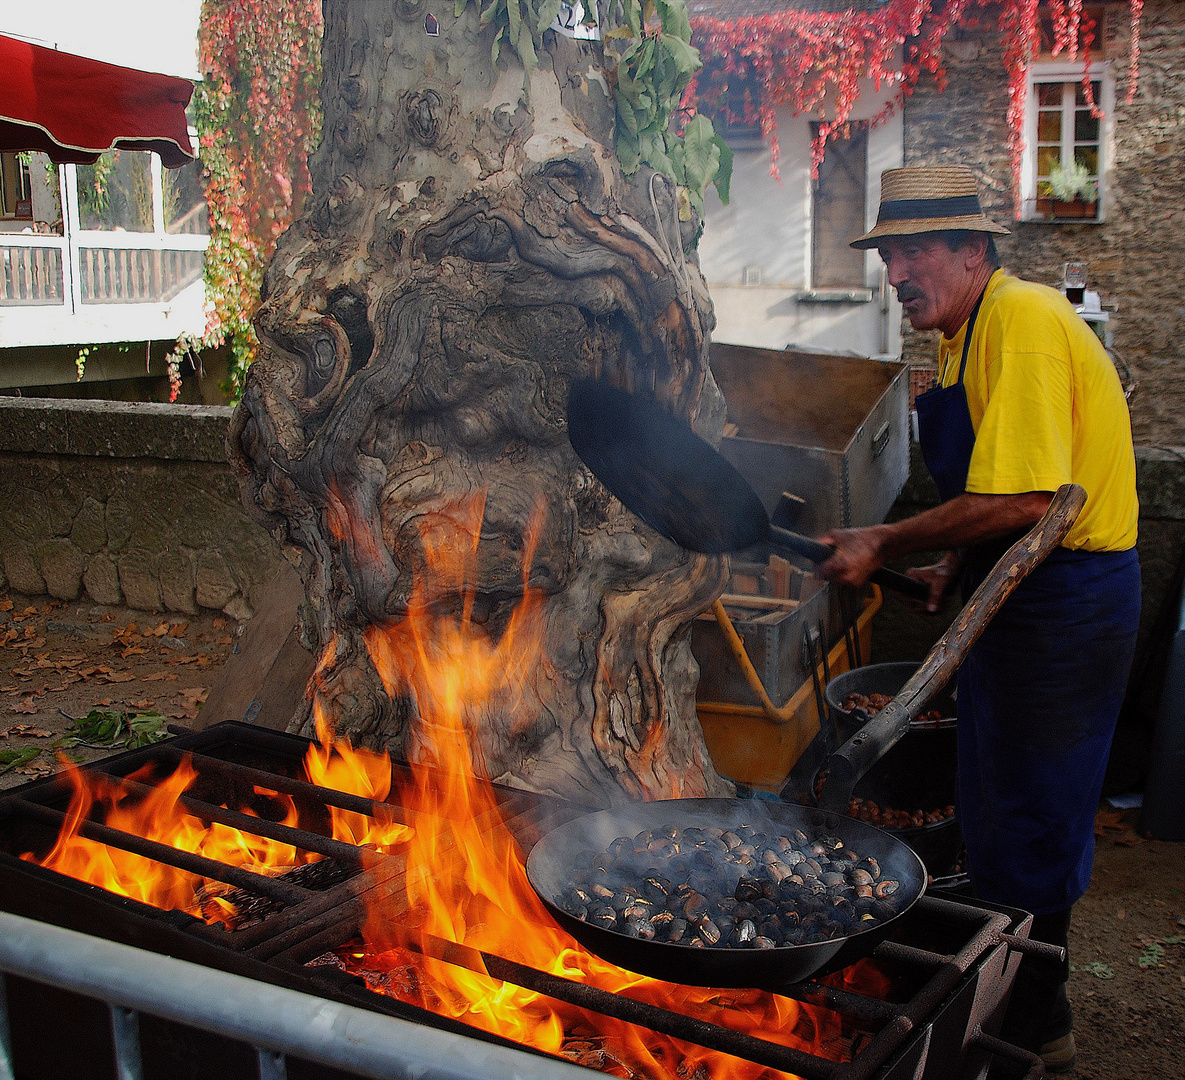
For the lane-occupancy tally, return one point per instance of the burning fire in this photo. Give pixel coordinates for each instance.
(156, 814)
(466, 888)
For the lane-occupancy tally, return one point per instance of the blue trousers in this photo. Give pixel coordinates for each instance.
(1039, 695)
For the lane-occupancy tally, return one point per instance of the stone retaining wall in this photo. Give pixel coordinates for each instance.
(128, 503)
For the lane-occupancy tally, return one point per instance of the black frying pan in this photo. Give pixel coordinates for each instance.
(562, 854)
(677, 483)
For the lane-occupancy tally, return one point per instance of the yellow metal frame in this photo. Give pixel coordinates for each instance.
(759, 744)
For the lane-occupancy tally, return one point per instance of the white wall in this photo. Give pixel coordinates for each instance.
(767, 225)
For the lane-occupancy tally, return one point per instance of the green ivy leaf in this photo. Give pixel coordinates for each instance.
(700, 153)
(723, 178)
(673, 18)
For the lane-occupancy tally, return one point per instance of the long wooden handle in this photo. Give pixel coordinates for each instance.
(852, 760)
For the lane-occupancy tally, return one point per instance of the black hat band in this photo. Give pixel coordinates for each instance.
(905, 209)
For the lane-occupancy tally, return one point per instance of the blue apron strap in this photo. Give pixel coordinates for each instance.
(946, 433)
(967, 340)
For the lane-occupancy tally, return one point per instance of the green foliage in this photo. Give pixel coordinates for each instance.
(1152, 955)
(653, 69)
(258, 115)
(126, 730)
(14, 759)
(94, 184)
(652, 62)
(1073, 182)
(519, 23)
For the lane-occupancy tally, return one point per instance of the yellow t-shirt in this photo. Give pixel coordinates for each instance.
(1047, 408)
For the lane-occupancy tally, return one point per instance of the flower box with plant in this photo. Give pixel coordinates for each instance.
(1070, 192)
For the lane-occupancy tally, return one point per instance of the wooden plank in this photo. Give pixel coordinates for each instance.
(778, 576)
(23, 288)
(263, 681)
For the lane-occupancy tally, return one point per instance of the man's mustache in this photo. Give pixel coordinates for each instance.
(906, 293)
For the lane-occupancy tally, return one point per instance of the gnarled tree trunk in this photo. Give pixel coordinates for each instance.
(467, 251)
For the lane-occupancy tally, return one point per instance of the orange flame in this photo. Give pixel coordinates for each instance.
(466, 883)
(157, 815)
(466, 887)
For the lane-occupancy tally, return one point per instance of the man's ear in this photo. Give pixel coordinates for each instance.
(975, 250)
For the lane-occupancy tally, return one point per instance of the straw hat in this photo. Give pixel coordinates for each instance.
(926, 199)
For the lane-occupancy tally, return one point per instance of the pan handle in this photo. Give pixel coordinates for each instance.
(799, 544)
(852, 760)
(819, 552)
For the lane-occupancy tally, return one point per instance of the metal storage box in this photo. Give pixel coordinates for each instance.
(833, 430)
(772, 631)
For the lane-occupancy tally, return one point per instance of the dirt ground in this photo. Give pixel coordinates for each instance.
(1127, 949)
(61, 660)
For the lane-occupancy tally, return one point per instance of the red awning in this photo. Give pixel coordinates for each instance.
(73, 108)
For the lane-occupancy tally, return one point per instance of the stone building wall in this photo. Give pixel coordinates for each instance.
(1137, 256)
(127, 503)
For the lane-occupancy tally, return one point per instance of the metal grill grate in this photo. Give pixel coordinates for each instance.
(951, 962)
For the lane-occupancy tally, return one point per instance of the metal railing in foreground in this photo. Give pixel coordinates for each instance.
(276, 1021)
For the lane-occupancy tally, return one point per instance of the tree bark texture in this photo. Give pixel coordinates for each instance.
(471, 246)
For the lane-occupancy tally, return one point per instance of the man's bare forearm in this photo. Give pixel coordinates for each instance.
(963, 521)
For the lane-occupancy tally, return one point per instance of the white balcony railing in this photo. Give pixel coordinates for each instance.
(89, 286)
(31, 270)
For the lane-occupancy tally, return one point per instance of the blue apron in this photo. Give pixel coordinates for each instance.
(1039, 693)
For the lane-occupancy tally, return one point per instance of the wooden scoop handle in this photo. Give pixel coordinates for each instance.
(852, 760)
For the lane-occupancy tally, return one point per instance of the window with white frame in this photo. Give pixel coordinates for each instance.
(1063, 169)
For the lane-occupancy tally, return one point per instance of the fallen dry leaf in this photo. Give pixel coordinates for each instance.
(219, 624)
(25, 731)
(133, 650)
(1131, 839)
(25, 706)
(117, 676)
(143, 703)
(5, 604)
(161, 676)
(178, 629)
(11, 688)
(36, 768)
(195, 694)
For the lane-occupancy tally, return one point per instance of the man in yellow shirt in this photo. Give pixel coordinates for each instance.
(1027, 400)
